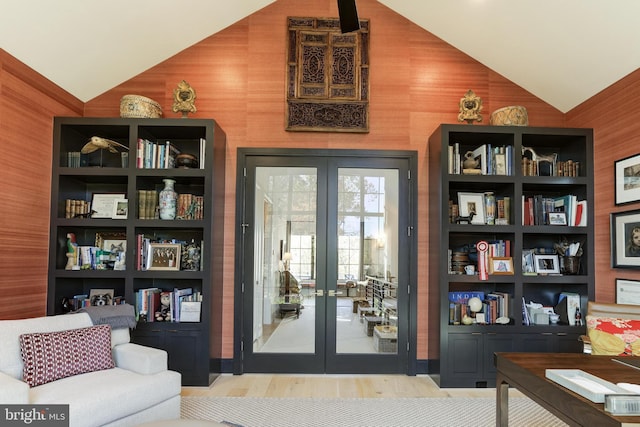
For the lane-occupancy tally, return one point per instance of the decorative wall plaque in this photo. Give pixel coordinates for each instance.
(327, 76)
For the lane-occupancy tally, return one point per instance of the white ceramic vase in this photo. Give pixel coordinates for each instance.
(167, 200)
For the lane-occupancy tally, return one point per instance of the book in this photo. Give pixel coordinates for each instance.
(463, 297)
(177, 295)
(581, 213)
(190, 311)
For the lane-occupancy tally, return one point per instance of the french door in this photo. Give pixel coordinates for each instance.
(324, 267)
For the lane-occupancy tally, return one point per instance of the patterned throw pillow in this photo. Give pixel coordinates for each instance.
(49, 356)
(610, 336)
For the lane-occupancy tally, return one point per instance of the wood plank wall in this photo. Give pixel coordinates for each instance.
(28, 103)
(239, 75)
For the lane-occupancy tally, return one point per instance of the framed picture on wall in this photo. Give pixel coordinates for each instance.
(625, 239)
(627, 291)
(627, 180)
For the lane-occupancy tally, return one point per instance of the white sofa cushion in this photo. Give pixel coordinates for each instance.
(140, 359)
(101, 397)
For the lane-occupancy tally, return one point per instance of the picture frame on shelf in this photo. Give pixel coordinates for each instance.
(546, 263)
(164, 256)
(625, 239)
(557, 218)
(627, 180)
(116, 244)
(501, 266)
(100, 297)
(472, 202)
(102, 204)
(120, 209)
(627, 291)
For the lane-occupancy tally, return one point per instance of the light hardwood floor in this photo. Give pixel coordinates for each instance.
(346, 386)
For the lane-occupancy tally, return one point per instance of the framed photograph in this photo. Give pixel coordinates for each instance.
(546, 264)
(101, 297)
(472, 202)
(501, 265)
(164, 256)
(627, 180)
(625, 239)
(120, 209)
(627, 291)
(557, 218)
(116, 245)
(102, 204)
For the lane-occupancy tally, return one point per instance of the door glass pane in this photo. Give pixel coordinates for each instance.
(284, 315)
(366, 309)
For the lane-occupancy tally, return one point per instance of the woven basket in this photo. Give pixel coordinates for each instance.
(510, 116)
(136, 106)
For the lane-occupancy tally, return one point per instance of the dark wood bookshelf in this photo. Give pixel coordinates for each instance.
(466, 351)
(187, 344)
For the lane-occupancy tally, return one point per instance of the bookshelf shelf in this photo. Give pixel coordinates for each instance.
(466, 351)
(104, 172)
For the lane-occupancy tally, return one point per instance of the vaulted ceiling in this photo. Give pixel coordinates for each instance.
(564, 52)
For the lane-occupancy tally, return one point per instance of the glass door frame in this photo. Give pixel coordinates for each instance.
(323, 361)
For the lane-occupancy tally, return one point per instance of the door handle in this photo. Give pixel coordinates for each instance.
(318, 293)
(333, 293)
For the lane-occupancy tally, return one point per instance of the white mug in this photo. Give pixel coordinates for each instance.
(470, 269)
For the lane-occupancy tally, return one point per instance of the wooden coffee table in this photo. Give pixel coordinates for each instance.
(526, 372)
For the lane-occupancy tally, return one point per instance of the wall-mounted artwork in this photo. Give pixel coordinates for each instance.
(327, 76)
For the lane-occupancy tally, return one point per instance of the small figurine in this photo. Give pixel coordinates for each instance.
(164, 314)
(72, 252)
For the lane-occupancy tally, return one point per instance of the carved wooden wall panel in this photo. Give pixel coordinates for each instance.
(327, 76)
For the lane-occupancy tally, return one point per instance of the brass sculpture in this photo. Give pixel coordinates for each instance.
(184, 99)
(98, 143)
(470, 107)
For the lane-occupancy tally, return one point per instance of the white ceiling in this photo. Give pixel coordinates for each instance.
(562, 51)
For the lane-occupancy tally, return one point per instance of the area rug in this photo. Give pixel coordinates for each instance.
(369, 412)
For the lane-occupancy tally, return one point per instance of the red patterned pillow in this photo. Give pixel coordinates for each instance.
(49, 356)
(611, 336)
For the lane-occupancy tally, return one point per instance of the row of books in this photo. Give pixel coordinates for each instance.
(563, 210)
(491, 160)
(494, 305)
(188, 206)
(162, 155)
(156, 155)
(559, 168)
(74, 208)
(79, 301)
(74, 159)
(157, 305)
(94, 258)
